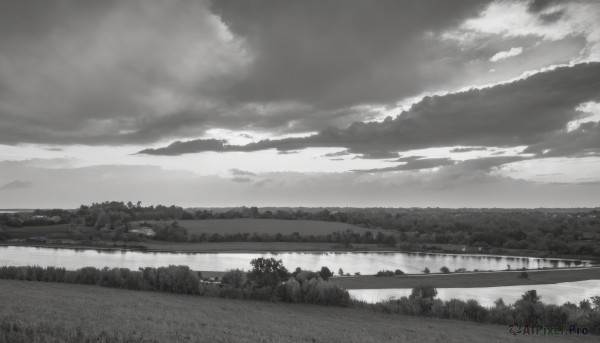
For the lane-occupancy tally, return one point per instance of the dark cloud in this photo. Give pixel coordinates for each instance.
(179, 148)
(458, 150)
(552, 17)
(115, 73)
(418, 164)
(17, 184)
(523, 112)
(241, 179)
(110, 72)
(239, 172)
(337, 154)
(581, 142)
(536, 6)
(341, 53)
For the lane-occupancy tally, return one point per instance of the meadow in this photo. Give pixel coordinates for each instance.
(58, 231)
(45, 312)
(268, 226)
(470, 279)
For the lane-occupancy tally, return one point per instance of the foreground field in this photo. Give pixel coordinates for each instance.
(269, 226)
(467, 280)
(48, 311)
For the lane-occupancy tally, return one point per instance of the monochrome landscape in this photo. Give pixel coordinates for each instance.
(299, 171)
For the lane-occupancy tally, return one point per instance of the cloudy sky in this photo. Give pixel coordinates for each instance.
(287, 103)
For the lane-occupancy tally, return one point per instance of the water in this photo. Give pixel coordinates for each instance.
(351, 262)
(558, 293)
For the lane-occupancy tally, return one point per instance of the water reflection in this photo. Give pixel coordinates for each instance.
(350, 262)
(558, 293)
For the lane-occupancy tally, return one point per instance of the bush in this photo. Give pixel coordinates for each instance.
(235, 278)
(445, 270)
(426, 270)
(325, 273)
(423, 291)
(523, 275)
(385, 273)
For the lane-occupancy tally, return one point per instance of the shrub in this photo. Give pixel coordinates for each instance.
(234, 277)
(445, 270)
(423, 291)
(325, 273)
(426, 270)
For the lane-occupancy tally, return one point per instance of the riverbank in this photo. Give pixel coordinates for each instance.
(469, 280)
(49, 311)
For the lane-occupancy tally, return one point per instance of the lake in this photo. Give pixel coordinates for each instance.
(558, 293)
(350, 262)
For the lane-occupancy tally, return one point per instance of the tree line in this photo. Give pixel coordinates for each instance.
(566, 231)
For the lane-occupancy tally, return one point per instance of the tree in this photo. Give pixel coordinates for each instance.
(531, 296)
(423, 291)
(325, 273)
(267, 272)
(233, 277)
(445, 270)
(341, 272)
(426, 270)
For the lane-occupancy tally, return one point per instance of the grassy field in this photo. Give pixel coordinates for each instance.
(466, 280)
(74, 313)
(50, 231)
(256, 247)
(270, 226)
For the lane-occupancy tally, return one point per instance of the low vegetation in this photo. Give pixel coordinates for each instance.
(267, 280)
(528, 310)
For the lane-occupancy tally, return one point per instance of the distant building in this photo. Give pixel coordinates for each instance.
(144, 231)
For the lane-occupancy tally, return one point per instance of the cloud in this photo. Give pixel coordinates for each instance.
(110, 72)
(468, 149)
(581, 142)
(523, 112)
(239, 172)
(342, 53)
(241, 179)
(460, 185)
(506, 54)
(117, 73)
(17, 184)
(417, 164)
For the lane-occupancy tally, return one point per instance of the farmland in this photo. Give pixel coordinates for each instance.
(37, 311)
(268, 226)
(467, 280)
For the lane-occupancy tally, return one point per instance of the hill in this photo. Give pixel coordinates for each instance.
(37, 311)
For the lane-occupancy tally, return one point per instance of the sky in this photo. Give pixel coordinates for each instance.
(383, 103)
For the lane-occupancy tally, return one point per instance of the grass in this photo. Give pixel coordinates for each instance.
(269, 226)
(58, 231)
(37, 311)
(468, 280)
(255, 247)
